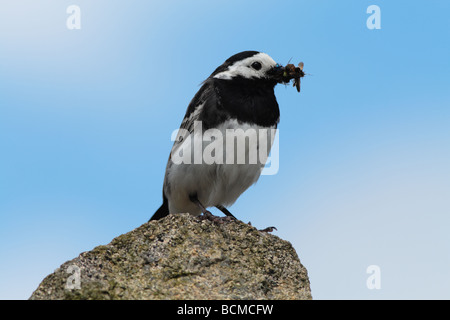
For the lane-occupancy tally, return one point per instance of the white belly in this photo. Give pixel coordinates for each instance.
(225, 170)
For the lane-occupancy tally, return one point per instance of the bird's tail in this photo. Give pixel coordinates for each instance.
(162, 211)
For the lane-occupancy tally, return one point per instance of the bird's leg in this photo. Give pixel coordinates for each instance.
(206, 214)
(226, 212)
(195, 200)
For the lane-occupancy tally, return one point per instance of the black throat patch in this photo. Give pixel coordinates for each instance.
(247, 100)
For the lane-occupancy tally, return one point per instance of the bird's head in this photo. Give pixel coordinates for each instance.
(254, 65)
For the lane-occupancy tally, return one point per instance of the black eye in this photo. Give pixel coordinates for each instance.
(256, 65)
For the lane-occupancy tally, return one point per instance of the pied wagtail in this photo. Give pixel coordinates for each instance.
(239, 94)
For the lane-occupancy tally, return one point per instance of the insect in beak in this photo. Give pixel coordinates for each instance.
(299, 74)
(291, 72)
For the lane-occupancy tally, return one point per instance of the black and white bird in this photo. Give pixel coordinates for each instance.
(239, 94)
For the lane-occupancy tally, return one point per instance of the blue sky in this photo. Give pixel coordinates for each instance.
(364, 178)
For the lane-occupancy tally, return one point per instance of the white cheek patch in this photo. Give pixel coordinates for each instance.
(243, 68)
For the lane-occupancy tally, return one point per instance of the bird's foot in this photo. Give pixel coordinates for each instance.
(268, 229)
(215, 219)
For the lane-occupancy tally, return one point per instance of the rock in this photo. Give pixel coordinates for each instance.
(181, 257)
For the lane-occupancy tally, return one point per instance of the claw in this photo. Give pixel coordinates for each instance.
(268, 229)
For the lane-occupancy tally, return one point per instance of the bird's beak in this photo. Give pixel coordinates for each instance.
(277, 73)
(285, 74)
